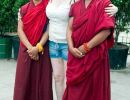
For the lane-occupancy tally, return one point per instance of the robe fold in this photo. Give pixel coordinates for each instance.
(34, 20)
(33, 78)
(88, 78)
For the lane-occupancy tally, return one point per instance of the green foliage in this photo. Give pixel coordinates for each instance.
(16, 7)
(8, 15)
(122, 17)
(9, 9)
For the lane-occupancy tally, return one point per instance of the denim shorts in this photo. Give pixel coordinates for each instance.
(58, 50)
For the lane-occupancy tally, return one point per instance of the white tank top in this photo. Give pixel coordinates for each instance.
(58, 20)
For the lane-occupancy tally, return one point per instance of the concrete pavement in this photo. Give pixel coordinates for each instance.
(120, 81)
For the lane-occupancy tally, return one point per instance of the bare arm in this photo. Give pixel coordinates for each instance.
(96, 40)
(22, 35)
(69, 33)
(99, 38)
(74, 51)
(32, 51)
(45, 37)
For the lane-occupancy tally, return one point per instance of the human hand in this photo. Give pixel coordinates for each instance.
(111, 10)
(82, 50)
(75, 52)
(33, 53)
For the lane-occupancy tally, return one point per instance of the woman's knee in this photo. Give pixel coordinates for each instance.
(59, 77)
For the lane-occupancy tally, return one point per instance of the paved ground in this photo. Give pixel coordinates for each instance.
(120, 81)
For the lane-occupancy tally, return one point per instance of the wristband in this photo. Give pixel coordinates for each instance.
(40, 48)
(86, 48)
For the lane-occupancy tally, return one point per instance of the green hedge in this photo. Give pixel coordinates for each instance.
(8, 14)
(122, 17)
(9, 9)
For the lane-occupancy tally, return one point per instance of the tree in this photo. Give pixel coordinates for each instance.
(8, 15)
(16, 7)
(122, 17)
(118, 54)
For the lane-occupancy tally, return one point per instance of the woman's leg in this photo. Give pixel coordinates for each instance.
(59, 76)
(65, 68)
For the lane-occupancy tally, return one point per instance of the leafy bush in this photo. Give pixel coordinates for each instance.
(8, 15)
(122, 17)
(16, 7)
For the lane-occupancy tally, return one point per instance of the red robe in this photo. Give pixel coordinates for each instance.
(34, 20)
(33, 78)
(88, 78)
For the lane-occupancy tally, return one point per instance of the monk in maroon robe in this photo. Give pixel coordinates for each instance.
(89, 36)
(34, 72)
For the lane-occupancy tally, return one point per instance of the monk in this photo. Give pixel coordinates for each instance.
(89, 36)
(34, 71)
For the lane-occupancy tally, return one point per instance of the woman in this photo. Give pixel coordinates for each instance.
(90, 34)
(34, 72)
(58, 14)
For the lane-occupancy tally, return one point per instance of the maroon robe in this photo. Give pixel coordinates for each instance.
(88, 78)
(33, 78)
